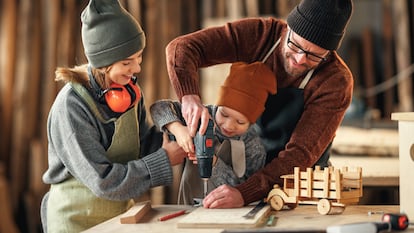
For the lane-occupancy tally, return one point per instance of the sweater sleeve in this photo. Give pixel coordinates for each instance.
(245, 40)
(164, 112)
(75, 149)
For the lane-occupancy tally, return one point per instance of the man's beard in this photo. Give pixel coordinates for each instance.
(294, 72)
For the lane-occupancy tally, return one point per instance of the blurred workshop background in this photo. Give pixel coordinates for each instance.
(36, 36)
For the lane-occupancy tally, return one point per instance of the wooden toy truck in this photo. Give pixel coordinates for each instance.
(330, 189)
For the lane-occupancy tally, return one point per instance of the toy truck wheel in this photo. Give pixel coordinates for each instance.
(277, 202)
(324, 206)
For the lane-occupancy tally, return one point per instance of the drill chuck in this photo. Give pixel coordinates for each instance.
(204, 167)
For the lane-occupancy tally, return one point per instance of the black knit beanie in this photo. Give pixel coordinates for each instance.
(322, 22)
(109, 33)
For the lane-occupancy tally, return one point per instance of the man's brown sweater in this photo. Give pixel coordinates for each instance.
(326, 97)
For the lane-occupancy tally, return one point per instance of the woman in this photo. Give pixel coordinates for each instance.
(102, 152)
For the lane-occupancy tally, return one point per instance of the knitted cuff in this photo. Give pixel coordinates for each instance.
(159, 168)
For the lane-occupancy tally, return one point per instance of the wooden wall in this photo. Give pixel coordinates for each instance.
(36, 36)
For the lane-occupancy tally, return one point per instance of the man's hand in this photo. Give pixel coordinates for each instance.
(192, 110)
(222, 197)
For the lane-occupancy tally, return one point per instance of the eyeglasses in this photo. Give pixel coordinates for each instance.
(297, 49)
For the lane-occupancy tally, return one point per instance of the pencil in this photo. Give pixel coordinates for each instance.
(173, 215)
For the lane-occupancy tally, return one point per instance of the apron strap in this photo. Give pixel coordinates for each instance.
(308, 75)
(84, 94)
(271, 50)
(233, 153)
(306, 79)
(238, 157)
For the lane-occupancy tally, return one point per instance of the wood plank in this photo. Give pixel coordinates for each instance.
(67, 34)
(35, 187)
(388, 67)
(403, 54)
(135, 213)
(402, 116)
(234, 9)
(134, 7)
(51, 21)
(222, 218)
(367, 142)
(377, 171)
(8, 30)
(252, 8)
(368, 61)
(6, 214)
(20, 131)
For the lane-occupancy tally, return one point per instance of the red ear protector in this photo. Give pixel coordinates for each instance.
(118, 97)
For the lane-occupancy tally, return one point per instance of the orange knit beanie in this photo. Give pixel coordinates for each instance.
(246, 89)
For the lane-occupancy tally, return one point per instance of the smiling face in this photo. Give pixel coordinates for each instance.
(231, 122)
(300, 55)
(122, 71)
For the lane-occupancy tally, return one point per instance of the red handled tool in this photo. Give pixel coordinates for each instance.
(397, 221)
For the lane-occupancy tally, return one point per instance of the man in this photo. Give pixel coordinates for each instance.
(314, 86)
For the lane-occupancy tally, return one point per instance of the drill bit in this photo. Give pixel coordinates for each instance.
(205, 182)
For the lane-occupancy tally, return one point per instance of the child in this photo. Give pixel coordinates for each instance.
(239, 151)
(102, 152)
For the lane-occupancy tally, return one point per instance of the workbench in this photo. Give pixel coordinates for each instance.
(304, 218)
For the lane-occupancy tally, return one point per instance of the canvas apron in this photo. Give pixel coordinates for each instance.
(283, 111)
(72, 207)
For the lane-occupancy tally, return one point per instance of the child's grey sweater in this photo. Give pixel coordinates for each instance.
(167, 111)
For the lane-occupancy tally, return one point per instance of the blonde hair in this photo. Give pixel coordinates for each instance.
(79, 74)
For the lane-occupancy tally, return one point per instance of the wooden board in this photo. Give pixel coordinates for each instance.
(368, 142)
(135, 213)
(376, 171)
(223, 218)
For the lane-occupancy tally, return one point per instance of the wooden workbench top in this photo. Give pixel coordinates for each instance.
(303, 217)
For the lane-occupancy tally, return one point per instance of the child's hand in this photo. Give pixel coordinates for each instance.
(182, 136)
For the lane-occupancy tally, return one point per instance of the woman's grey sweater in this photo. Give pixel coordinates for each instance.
(77, 145)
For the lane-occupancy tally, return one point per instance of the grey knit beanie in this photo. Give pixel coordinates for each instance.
(109, 33)
(322, 22)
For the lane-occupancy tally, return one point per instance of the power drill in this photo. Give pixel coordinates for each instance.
(204, 150)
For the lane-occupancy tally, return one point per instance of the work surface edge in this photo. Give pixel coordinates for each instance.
(303, 217)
